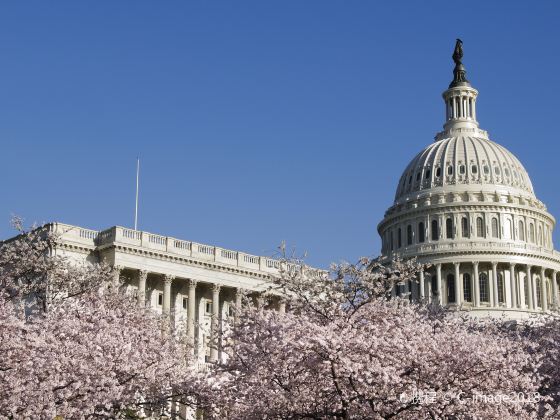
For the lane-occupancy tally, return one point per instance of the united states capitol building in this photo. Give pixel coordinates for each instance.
(466, 206)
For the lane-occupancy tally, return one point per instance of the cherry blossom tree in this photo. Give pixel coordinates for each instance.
(345, 351)
(73, 346)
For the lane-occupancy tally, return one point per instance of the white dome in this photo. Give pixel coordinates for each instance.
(474, 162)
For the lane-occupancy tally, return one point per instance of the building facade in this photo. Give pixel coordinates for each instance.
(465, 205)
(195, 285)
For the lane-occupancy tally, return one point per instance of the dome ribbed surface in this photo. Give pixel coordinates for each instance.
(463, 160)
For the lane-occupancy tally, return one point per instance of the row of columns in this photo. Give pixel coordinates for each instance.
(514, 296)
(215, 325)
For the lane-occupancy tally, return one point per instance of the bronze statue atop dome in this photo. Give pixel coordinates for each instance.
(459, 72)
(458, 52)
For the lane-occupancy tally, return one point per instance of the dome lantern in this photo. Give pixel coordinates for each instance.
(460, 98)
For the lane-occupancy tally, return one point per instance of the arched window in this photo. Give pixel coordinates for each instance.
(462, 169)
(409, 235)
(451, 288)
(438, 172)
(399, 238)
(500, 288)
(449, 228)
(479, 227)
(450, 170)
(421, 232)
(532, 232)
(495, 233)
(521, 230)
(467, 292)
(435, 230)
(465, 227)
(483, 283)
(474, 169)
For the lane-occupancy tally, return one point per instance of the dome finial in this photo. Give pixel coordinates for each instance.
(459, 72)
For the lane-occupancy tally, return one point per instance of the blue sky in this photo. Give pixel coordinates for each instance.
(258, 121)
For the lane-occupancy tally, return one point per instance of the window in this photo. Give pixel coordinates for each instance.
(449, 228)
(435, 230)
(532, 232)
(486, 169)
(474, 169)
(506, 171)
(185, 300)
(409, 235)
(451, 288)
(479, 227)
(208, 307)
(521, 230)
(465, 227)
(450, 170)
(462, 169)
(500, 288)
(399, 238)
(428, 173)
(434, 286)
(438, 172)
(483, 283)
(467, 292)
(418, 176)
(421, 232)
(160, 299)
(497, 170)
(495, 227)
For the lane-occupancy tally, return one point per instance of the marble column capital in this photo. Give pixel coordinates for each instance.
(216, 287)
(168, 278)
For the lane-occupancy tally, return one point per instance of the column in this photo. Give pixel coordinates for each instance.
(529, 287)
(439, 298)
(554, 291)
(521, 292)
(544, 293)
(495, 284)
(191, 314)
(215, 322)
(142, 276)
(513, 285)
(476, 288)
(507, 289)
(534, 291)
(167, 280)
(422, 294)
(458, 288)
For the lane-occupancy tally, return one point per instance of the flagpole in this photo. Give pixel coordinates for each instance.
(136, 207)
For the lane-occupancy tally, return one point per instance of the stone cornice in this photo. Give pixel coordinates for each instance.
(193, 262)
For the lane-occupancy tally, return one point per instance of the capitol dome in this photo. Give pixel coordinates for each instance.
(465, 207)
(464, 163)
